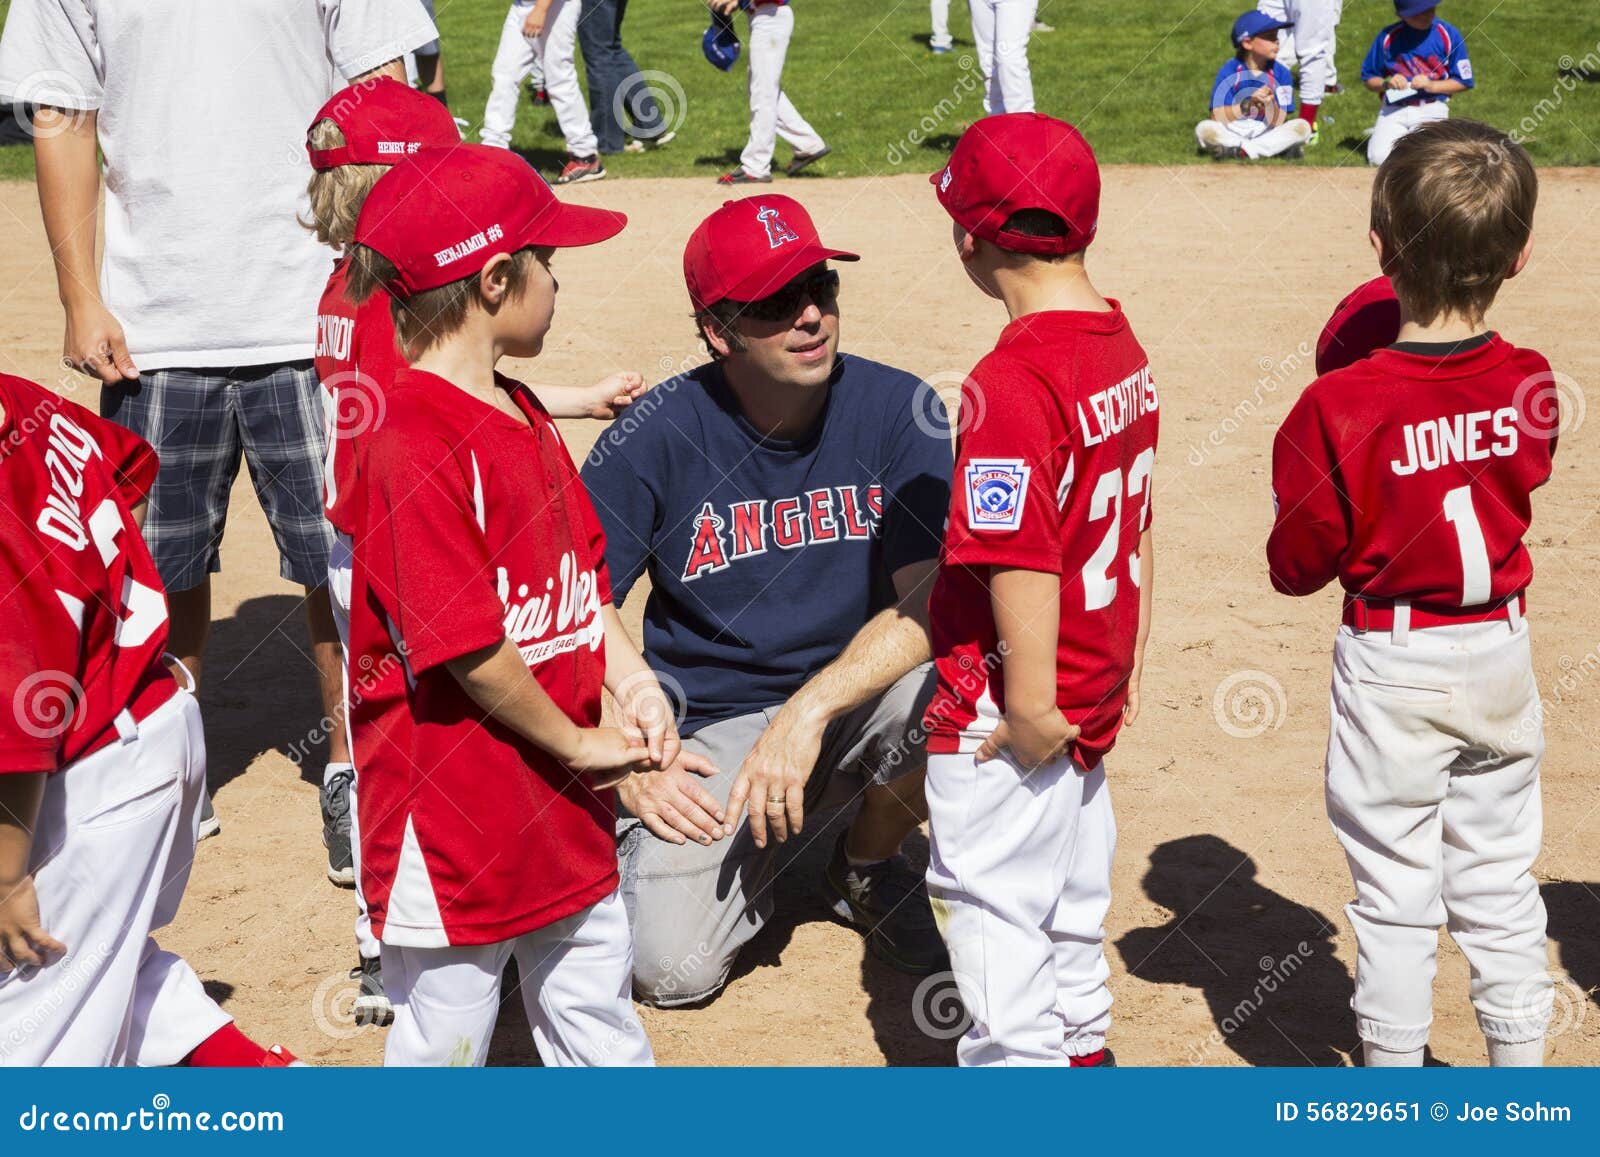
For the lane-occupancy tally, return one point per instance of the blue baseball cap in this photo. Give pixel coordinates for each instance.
(1254, 23)
(720, 43)
(1403, 8)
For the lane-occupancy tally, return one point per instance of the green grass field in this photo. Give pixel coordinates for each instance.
(1135, 75)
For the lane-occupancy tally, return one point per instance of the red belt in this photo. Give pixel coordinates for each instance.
(1378, 614)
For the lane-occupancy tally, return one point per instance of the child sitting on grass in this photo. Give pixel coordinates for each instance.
(1252, 98)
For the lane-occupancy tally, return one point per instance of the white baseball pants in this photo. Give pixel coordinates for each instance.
(1396, 120)
(1309, 46)
(1433, 789)
(341, 561)
(1269, 143)
(556, 53)
(772, 115)
(111, 856)
(1001, 29)
(939, 14)
(1020, 878)
(576, 974)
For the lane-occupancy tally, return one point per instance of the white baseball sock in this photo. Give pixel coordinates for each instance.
(1381, 1058)
(1526, 1054)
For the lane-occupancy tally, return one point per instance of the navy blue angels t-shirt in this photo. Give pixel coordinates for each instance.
(766, 557)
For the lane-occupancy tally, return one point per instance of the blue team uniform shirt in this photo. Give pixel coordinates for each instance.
(767, 557)
(1440, 53)
(1236, 81)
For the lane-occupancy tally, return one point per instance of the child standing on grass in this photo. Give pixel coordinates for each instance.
(1042, 605)
(354, 139)
(543, 33)
(772, 113)
(481, 613)
(1417, 64)
(1252, 98)
(1408, 476)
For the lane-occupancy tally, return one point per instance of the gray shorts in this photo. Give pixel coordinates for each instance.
(692, 906)
(202, 422)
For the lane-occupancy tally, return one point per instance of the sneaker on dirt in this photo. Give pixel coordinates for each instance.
(889, 902)
(336, 828)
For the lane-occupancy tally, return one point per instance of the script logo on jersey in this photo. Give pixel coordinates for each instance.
(551, 620)
(996, 491)
(334, 335)
(70, 450)
(778, 231)
(828, 514)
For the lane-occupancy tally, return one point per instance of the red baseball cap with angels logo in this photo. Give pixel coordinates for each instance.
(1363, 323)
(442, 214)
(749, 249)
(383, 122)
(1022, 160)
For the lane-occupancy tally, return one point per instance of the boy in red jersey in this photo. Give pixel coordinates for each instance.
(102, 759)
(1042, 605)
(355, 138)
(481, 616)
(1408, 477)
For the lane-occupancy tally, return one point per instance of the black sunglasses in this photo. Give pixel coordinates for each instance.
(821, 287)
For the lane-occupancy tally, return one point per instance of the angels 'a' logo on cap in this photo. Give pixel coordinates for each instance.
(778, 231)
(944, 180)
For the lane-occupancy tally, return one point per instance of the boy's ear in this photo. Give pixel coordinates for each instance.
(492, 278)
(1377, 246)
(1522, 258)
(966, 243)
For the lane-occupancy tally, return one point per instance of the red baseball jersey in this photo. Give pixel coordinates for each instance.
(475, 528)
(1053, 473)
(84, 613)
(1409, 475)
(357, 357)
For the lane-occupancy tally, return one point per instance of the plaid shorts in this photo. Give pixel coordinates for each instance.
(201, 421)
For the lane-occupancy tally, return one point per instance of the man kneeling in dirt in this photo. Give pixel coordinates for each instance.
(787, 502)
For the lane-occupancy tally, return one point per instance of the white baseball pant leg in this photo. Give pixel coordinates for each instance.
(1433, 789)
(111, 856)
(1311, 45)
(1001, 28)
(1395, 121)
(1270, 143)
(1020, 878)
(939, 15)
(341, 561)
(514, 59)
(772, 114)
(558, 53)
(577, 977)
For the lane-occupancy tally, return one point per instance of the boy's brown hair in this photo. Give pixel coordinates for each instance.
(424, 319)
(1453, 206)
(1036, 223)
(337, 194)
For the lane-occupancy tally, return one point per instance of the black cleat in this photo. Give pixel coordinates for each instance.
(889, 903)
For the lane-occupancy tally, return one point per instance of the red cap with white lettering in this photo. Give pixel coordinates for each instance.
(441, 215)
(749, 249)
(383, 122)
(1022, 160)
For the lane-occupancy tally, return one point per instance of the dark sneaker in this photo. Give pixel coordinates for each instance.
(741, 177)
(336, 828)
(372, 1002)
(1227, 153)
(580, 169)
(801, 160)
(1104, 1059)
(210, 825)
(889, 902)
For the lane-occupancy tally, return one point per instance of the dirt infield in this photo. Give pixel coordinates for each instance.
(1226, 938)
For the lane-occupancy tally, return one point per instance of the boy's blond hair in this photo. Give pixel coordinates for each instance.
(1453, 206)
(423, 320)
(337, 194)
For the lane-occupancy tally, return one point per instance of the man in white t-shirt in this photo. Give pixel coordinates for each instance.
(200, 324)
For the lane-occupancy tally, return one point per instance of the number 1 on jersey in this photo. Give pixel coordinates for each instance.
(1475, 577)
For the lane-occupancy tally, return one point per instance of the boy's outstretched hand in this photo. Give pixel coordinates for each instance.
(23, 940)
